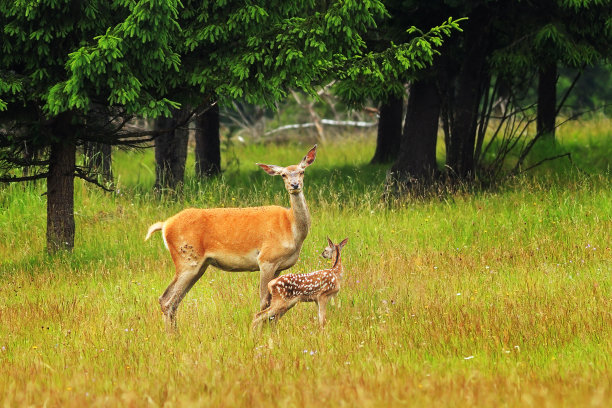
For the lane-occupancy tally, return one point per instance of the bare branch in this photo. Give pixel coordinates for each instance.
(568, 155)
(24, 178)
(80, 173)
(329, 122)
(569, 90)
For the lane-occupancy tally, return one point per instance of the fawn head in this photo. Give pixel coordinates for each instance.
(330, 249)
(293, 175)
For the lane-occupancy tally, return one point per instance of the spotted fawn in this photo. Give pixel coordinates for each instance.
(290, 289)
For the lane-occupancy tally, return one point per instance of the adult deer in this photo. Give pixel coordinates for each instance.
(266, 239)
(319, 286)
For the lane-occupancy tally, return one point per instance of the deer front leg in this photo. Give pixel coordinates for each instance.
(259, 318)
(277, 309)
(267, 272)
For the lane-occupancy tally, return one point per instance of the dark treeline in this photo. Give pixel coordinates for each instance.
(504, 65)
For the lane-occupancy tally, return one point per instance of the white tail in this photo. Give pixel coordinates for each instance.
(268, 239)
(153, 228)
(318, 287)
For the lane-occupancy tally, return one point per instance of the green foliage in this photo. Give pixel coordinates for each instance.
(572, 33)
(70, 56)
(101, 59)
(375, 75)
(255, 54)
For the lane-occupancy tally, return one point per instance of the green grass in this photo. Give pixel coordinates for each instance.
(499, 298)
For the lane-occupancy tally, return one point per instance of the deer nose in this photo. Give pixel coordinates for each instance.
(295, 185)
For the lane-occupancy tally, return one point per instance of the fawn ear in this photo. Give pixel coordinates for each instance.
(343, 243)
(309, 158)
(330, 243)
(271, 169)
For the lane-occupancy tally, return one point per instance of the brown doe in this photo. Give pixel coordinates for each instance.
(266, 239)
(319, 287)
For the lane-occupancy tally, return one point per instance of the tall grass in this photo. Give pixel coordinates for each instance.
(498, 298)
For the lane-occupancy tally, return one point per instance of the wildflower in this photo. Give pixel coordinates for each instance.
(468, 357)
(459, 294)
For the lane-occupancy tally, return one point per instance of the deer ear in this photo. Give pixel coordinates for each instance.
(330, 243)
(309, 158)
(271, 169)
(343, 243)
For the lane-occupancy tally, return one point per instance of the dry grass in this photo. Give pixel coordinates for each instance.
(492, 299)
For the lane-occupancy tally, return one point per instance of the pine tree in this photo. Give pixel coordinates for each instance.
(73, 72)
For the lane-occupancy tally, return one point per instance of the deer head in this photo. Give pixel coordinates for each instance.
(329, 250)
(293, 175)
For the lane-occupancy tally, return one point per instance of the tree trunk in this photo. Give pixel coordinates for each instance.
(170, 152)
(547, 101)
(98, 160)
(460, 151)
(60, 187)
(389, 130)
(416, 165)
(208, 144)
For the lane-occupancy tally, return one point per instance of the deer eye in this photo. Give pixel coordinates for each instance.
(283, 175)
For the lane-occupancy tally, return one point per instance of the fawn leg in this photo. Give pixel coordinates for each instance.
(322, 303)
(264, 315)
(259, 318)
(275, 311)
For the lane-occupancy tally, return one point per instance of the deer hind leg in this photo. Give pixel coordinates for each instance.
(183, 281)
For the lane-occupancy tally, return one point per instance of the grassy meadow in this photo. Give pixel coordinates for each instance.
(493, 298)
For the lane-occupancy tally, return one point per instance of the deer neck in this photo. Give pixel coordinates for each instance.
(337, 263)
(301, 217)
